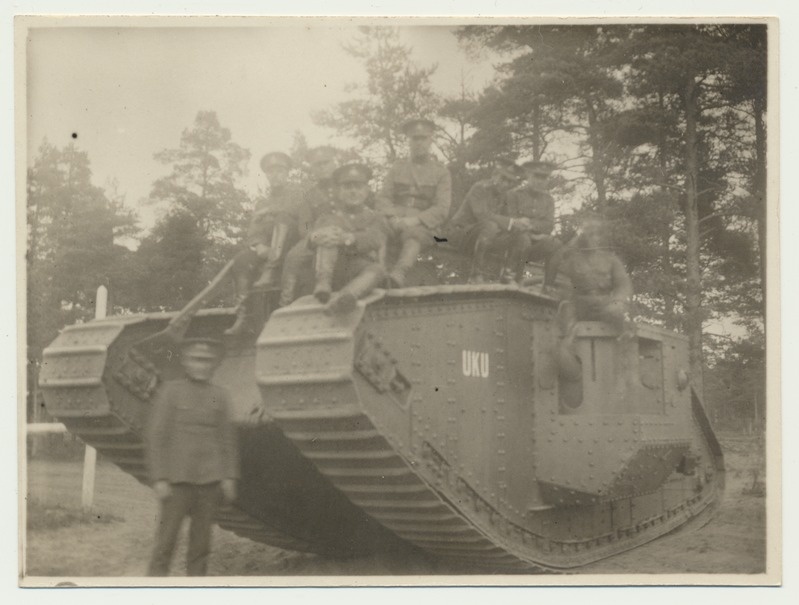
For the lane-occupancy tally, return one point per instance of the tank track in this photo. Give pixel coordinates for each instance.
(444, 517)
(79, 380)
(349, 450)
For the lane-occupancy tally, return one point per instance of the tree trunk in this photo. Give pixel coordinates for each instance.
(665, 259)
(536, 131)
(760, 189)
(597, 164)
(693, 293)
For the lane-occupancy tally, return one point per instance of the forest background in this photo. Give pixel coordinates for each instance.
(660, 128)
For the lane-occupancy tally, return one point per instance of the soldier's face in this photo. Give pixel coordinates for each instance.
(593, 235)
(503, 181)
(277, 175)
(539, 181)
(323, 169)
(198, 367)
(419, 144)
(353, 194)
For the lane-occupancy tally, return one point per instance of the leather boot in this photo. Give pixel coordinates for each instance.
(477, 273)
(326, 257)
(508, 276)
(406, 260)
(346, 299)
(288, 287)
(277, 245)
(243, 323)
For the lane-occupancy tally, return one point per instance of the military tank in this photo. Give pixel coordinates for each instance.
(435, 418)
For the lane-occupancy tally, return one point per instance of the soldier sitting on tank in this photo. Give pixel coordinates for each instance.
(601, 289)
(482, 224)
(318, 199)
(273, 228)
(415, 197)
(533, 212)
(348, 241)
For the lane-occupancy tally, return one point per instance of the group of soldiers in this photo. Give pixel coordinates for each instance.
(333, 239)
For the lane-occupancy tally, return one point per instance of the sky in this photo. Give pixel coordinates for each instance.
(130, 92)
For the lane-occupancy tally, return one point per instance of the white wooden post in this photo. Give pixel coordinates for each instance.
(90, 454)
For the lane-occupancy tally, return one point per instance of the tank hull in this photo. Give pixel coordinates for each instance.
(437, 411)
(429, 420)
(99, 380)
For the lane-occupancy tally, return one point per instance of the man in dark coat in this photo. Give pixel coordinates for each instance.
(193, 455)
(275, 226)
(601, 288)
(533, 209)
(415, 198)
(318, 199)
(347, 242)
(482, 222)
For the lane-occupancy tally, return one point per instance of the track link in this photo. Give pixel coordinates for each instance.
(81, 390)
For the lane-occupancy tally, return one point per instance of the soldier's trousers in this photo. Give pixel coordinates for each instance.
(298, 278)
(199, 503)
(420, 233)
(595, 307)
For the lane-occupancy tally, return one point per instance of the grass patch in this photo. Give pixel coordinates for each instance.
(42, 515)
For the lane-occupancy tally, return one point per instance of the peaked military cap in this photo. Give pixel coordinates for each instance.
(539, 166)
(208, 348)
(352, 173)
(509, 167)
(418, 126)
(320, 154)
(276, 158)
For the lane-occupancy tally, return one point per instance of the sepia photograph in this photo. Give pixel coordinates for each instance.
(327, 300)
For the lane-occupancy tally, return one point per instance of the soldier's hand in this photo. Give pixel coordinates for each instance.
(548, 290)
(229, 490)
(328, 236)
(262, 250)
(522, 224)
(162, 489)
(408, 222)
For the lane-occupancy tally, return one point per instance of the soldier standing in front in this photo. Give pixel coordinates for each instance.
(193, 456)
(416, 196)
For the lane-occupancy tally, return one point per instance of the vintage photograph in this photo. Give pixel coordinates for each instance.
(434, 300)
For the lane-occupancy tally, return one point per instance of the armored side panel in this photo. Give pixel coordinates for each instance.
(448, 419)
(444, 414)
(99, 379)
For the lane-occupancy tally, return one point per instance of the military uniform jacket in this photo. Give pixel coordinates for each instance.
(317, 200)
(282, 205)
(417, 188)
(538, 206)
(367, 226)
(483, 203)
(191, 437)
(597, 273)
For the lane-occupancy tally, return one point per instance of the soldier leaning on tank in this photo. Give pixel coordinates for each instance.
(533, 212)
(601, 289)
(273, 228)
(348, 242)
(317, 200)
(415, 197)
(482, 224)
(193, 456)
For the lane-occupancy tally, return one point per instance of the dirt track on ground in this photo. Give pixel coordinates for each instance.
(733, 542)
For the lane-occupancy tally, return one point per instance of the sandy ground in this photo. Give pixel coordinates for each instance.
(733, 541)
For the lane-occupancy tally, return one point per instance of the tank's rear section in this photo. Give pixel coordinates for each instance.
(99, 379)
(445, 415)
